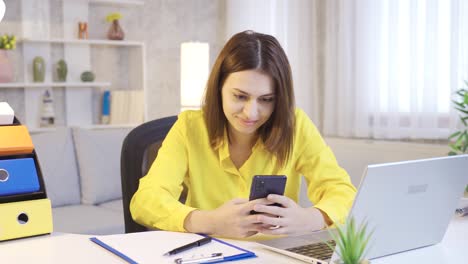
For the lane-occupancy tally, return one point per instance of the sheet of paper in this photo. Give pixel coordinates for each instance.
(149, 247)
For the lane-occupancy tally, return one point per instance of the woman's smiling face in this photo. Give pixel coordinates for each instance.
(248, 101)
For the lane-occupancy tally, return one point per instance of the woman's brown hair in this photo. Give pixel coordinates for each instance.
(249, 50)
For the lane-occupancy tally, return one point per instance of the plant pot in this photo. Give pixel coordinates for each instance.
(87, 76)
(115, 31)
(6, 69)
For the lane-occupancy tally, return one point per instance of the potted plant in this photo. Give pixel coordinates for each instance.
(351, 242)
(7, 42)
(458, 141)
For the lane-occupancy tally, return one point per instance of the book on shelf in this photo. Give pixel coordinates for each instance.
(126, 107)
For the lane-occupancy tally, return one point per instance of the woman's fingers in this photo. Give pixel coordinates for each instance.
(269, 209)
(274, 231)
(272, 221)
(281, 199)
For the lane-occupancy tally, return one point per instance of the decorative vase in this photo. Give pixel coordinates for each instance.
(48, 113)
(38, 69)
(6, 69)
(62, 71)
(115, 31)
(87, 76)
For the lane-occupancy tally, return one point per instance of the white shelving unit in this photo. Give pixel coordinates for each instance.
(85, 42)
(80, 97)
(23, 85)
(49, 129)
(118, 2)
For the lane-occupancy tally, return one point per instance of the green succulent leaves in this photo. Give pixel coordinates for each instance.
(352, 241)
(7, 42)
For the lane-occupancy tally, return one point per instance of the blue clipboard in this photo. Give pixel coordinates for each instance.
(245, 253)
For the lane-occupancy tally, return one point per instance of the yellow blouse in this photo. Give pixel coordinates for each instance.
(212, 179)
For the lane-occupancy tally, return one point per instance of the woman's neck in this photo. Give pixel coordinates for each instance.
(241, 140)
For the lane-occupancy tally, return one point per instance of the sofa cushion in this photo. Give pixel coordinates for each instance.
(115, 205)
(88, 219)
(98, 156)
(56, 156)
(355, 154)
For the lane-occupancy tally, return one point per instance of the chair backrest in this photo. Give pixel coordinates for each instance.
(139, 150)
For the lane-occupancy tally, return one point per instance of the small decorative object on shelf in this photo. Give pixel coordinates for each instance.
(351, 242)
(7, 42)
(115, 31)
(38, 69)
(87, 76)
(82, 30)
(62, 71)
(105, 118)
(48, 113)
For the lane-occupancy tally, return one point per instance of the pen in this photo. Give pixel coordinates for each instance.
(197, 243)
(461, 211)
(213, 257)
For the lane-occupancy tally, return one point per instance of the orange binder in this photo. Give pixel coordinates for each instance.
(15, 140)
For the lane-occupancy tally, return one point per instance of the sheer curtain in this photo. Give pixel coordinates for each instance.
(391, 67)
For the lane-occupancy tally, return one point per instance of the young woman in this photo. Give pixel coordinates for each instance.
(248, 126)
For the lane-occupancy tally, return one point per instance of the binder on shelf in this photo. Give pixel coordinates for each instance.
(141, 247)
(18, 176)
(24, 208)
(26, 218)
(15, 139)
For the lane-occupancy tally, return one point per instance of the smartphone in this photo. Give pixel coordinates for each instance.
(263, 185)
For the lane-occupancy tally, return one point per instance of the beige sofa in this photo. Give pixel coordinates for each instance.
(355, 154)
(81, 169)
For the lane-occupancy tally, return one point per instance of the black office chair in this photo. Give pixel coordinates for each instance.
(139, 149)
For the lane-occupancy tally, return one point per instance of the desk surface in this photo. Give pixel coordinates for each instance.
(73, 248)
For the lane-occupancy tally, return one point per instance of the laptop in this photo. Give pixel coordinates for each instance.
(395, 199)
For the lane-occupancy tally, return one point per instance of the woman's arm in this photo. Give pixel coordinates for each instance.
(155, 204)
(232, 219)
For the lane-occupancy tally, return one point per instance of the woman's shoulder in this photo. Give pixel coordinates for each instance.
(191, 119)
(302, 119)
(305, 129)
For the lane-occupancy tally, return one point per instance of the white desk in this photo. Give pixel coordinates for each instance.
(72, 248)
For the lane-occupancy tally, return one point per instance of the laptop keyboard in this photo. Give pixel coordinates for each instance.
(319, 250)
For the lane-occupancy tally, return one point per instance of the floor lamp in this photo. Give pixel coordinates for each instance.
(2, 10)
(194, 60)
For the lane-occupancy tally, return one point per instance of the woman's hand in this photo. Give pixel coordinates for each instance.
(290, 219)
(232, 219)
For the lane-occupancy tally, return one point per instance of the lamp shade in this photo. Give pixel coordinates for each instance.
(2, 9)
(194, 61)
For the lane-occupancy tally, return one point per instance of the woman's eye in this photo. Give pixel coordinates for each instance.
(240, 97)
(267, 99)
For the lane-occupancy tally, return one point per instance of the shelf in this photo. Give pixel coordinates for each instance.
(118, 2)
(86, 42)
(51, 129)
(110, 126)
(54, 84)
(42, 130)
